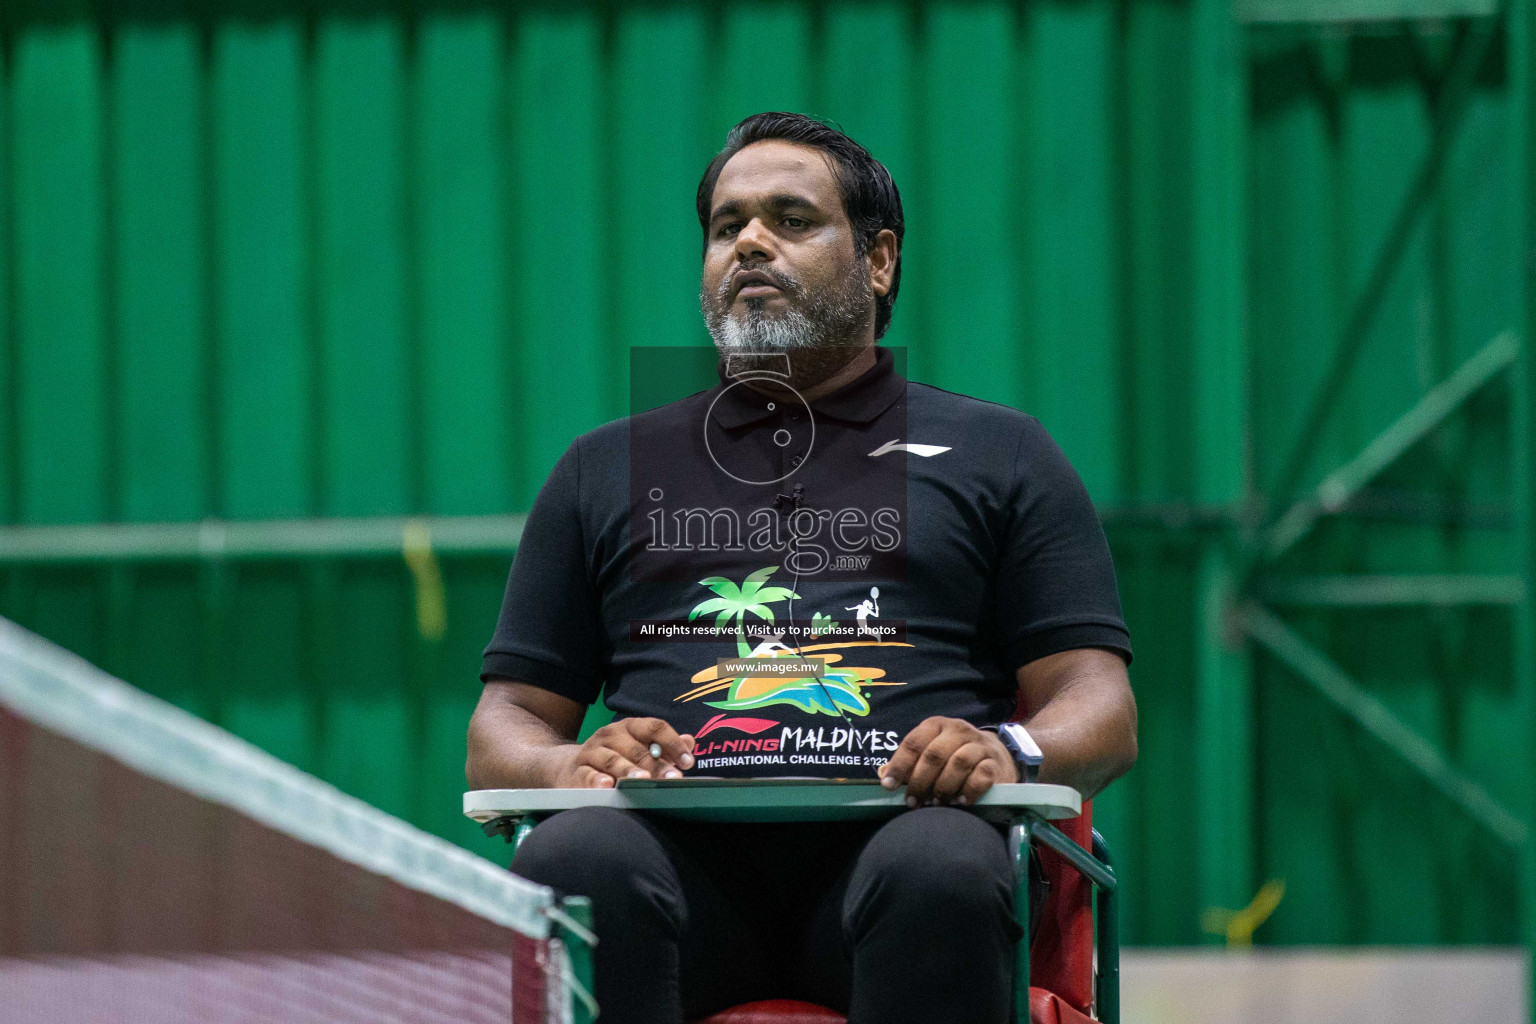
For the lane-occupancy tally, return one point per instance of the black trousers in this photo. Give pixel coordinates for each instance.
(905, 920)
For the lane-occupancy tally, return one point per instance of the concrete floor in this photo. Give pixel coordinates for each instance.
(1324, 986)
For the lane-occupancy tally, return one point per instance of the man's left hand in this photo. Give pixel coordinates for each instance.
(947, 760)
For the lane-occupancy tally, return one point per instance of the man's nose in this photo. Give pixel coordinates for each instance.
(754, 241)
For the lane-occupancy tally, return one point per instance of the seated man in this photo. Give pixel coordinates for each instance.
(699, 560)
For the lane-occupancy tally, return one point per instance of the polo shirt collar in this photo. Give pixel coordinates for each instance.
(861, 400)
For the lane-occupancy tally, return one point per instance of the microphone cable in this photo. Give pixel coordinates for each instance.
(797, 503)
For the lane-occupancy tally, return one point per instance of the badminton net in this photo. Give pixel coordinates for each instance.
(155, 869)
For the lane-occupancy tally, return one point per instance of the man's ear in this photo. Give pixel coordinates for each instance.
(882, 261)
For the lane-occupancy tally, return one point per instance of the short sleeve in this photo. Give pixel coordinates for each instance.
(1056, 587)
(549, 633)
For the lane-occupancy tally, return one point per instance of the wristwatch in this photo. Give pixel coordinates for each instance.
(1026, 752)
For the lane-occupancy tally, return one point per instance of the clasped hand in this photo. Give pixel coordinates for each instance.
(948, 760)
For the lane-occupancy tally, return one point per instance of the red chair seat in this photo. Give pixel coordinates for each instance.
(1044, 1008)
(1048, 1008)
(776, 1011)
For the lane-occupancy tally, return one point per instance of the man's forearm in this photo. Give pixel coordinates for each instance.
(512, 748)
(1087, 732)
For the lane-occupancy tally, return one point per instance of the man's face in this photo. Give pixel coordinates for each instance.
(781, 271)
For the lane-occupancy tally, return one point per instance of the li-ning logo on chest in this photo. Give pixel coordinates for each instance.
(927, 451)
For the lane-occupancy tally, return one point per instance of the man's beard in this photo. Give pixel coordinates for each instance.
(819, 331)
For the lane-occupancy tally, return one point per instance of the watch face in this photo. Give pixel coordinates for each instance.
(1021, 743)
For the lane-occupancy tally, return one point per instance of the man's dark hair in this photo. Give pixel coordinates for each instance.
(870, 198)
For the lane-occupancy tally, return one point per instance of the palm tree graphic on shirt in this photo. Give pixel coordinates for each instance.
(737, 602)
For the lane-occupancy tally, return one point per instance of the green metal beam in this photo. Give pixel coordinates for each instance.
(97, 543)
(1378, 721)
(223, 540)
(1223, 740)
(1453, 99)
(1522, 121)
(1219, 196)
(1179, 517)
(1291, 12)
(1223, 680)
(1338, 487)
(1395, 591)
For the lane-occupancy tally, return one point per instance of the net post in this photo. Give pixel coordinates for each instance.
(579, 948)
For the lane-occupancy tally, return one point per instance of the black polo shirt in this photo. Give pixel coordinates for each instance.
(897, 550)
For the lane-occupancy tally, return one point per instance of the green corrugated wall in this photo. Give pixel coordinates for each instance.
(288, 261)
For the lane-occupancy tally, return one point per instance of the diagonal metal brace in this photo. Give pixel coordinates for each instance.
(1428, 412)
(1370, 714)
(1453, 100)
(1096, 872)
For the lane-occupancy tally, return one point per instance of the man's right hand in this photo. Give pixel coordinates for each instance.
(621, 750)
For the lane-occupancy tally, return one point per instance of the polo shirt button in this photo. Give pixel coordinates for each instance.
(795, 461)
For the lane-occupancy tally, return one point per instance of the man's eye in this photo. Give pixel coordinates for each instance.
(728, 229)
(795, 222)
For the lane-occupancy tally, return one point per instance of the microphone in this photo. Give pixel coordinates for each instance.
(795, 501)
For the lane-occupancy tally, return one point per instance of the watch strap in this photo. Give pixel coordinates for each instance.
(1027, 756)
